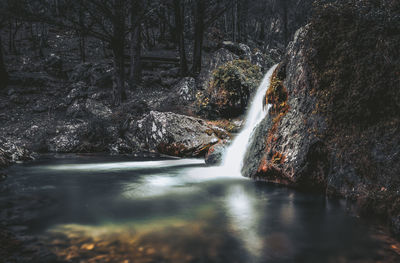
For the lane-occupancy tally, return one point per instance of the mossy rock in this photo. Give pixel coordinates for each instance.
(229, 89)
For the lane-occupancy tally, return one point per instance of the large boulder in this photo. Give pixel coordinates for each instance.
(325, 131)
(173, 134)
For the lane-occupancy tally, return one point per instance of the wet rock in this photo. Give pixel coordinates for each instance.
(173, 134)
(280, 151)
(215, 153)
(324, 135)
(11, 152)
(121, 146)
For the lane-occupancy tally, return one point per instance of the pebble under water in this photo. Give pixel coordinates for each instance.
(114, 209)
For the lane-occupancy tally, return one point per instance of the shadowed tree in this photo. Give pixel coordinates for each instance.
(106, 20)
(179, 12)
(3, 71)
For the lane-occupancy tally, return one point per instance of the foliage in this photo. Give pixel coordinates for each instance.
(230, 88)
(356, 63)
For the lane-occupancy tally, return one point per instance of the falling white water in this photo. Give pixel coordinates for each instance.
(234, 155)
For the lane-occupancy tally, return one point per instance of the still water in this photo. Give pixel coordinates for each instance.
(115, 209)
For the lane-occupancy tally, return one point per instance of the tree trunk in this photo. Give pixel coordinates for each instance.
(179, 10)
(119, 72)
(3, 71)
(136, 52)
(198, 37)
(82, 46)
(235, 21)
(118, 49)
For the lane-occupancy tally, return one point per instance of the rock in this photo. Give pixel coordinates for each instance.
(40, 106)
(219, 58)
(76, 110)
(282, 156)
(53, 65)
(94, 74)
(68, 138)
(78, 91)
(229, 90)
(186, 90)
(215, 153)
(173, 134)
(331, 136)
(94, 135)
(263, 61)
(120, 147)
(98, 110)
(11, 152)
(181, 98)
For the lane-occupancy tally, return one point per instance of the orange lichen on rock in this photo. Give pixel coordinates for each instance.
(277, 94)
(174, 149)
(278, 158)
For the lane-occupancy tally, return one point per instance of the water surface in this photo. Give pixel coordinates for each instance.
(115, 209)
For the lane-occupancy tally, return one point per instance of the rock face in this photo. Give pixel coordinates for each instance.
(174, 134)
(280, 153)
(315, 138)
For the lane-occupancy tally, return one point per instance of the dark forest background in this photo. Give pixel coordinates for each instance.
(129, 31)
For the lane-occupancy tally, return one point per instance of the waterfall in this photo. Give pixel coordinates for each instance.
(233, 159)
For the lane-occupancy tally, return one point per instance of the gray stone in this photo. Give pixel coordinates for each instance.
(173, 134)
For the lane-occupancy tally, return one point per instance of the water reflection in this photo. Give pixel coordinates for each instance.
(243, 217)
(181, 211)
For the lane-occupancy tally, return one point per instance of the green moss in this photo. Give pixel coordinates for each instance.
(356, 62)
(229, 89)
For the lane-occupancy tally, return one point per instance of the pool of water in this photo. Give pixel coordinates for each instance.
(115, 209)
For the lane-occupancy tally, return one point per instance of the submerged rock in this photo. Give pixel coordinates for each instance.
(174, 134)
